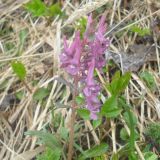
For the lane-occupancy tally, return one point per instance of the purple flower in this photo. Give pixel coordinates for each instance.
(70, 58)
(89, 27)
(91, 91)
(82, 57)
(102, 25)
(96, 46)
(93, 105)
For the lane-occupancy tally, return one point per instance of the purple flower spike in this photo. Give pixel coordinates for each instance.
(90, 83)
(93, 105)
(102, 25)
(82, 57)
(91, 91)
(89, 28)
(70, 58)
(90, 80)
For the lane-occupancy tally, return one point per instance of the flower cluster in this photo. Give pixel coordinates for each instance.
(82, 57)
(70, 58)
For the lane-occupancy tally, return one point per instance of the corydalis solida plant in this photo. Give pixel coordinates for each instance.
(83, 56)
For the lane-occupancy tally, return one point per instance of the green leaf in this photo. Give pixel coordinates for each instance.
(94, 152)
(132, 156)
(49, 154)
(100, 158)
(110, 108)
(22, 37)
(36, 7)
(115, 156)
(116, 76)
(9, 47)
(40, 94)
(80, 99)
(124, 81)
(124, 153)
(145, 31)
(127, 118)
(113, 86)
(63, 132)
(113, 113)
(123, 134)
(20, 94)
(119, 83)
(111, 102)
(147, 148)
(48, 139)
(19, 69)
(135, 29)
(54, 10)
(149, 79)
(152, 132)
(140, 31)
(150, 156)
(109, 88)
(84, 113)
(130, 119)
(81, 25)
(96, 123)
(56, 119)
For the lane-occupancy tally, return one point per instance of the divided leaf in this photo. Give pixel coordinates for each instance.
(140, 31)
(94, 152)
(22, 37)
(150, 156)
(36, 7)
(39, 8)
(63, 132)
(119, 83)
(110, 108)
(49, 154)
(48, 139)
(149, 79)
(40, 94)
(96, 123)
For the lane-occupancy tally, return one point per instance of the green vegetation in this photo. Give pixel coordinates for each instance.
(39, 8)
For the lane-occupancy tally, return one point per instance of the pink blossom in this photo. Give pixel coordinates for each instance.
(82, 57)
(91, 91)
(70, 58)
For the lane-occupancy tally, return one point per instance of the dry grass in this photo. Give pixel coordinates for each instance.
(40, 56)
